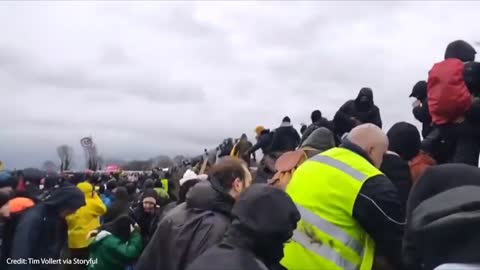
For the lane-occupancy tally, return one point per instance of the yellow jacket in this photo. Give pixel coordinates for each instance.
(86, 219)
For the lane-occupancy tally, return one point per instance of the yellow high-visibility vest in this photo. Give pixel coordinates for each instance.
(165, 184)
(325, 188)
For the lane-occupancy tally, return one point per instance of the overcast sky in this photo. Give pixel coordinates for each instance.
(150, 78)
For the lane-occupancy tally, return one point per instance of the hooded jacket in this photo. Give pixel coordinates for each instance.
(86, 219)
(255, 239)
(285, 138)
(39, 233)
(189, 229)
(115, 247)
(443, 217)
(365, 112)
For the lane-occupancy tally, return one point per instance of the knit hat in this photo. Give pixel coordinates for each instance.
(320, 139)
(404, 139)
(461, 50)
(150, 193)
(259, 129)
(187, 176)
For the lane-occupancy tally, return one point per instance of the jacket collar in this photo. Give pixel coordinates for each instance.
(356, 149)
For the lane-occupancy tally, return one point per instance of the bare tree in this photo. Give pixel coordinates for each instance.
(49, 166)
(65, 153)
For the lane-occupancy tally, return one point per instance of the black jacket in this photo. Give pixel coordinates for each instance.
(365, 113)
(188, 230)
(147, 222)
(41, 232)
(264, 142)
(443, 218)
(255, 239)
(398, 171)
(285, 138)
(120, 205)
(422, 114)
(379, 212)
(318, 124)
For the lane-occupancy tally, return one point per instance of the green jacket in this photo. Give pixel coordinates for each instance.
(110, 253)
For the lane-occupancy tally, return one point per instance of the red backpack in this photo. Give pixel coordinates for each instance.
(448, 95)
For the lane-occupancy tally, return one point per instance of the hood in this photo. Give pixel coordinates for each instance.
(404, 139)
(461, 50)
(67, 197)
(320, 139)
(454, 212)
(121, 194)
(149, 183)
(264, 219)
(86, 188)
(203, 196)
(365, 93)
(419, 90)
(441, 178)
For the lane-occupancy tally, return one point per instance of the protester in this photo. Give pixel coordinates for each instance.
(256, 237)
(404, 145)
(189, 180)
(108, 195)
(420, 107)
(117, 245)
(120, 206)
(39, 232)
(240, 150)
(449, 111)
(285, 138)
(264, 141)
(361, 110)
(199, 223)
(355, 206)
(147, 214)
(443, 218)
(318, 121)
(83, 221)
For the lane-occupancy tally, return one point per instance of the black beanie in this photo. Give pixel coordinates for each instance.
(461, 50)
(404, 139)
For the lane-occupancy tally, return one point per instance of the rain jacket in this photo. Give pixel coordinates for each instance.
(111, 253)
(255, 239)
(86, 219)
(41, 232)
(189, 229)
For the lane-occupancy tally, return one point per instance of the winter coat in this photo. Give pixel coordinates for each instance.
(41, 232)
(86, 219)
(111, 253)
(443, 217)
(188, 230)
(368, 113)
(318, 124)
(255, 239)
(398, 171)
(421, 113)
(285, 138)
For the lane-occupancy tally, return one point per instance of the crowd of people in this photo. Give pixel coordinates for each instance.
(341, 194)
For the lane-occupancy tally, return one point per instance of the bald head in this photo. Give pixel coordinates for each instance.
(372, 140)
